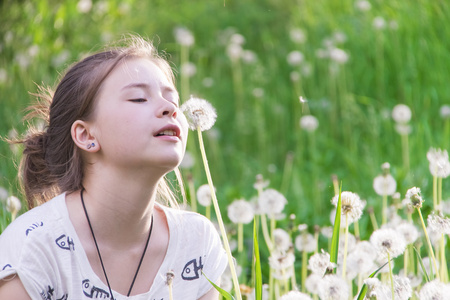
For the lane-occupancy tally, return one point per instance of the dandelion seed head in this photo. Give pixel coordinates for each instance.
(388, 241)
(271, 202)
(204, 196)
(351, 205)
(334, 287)
(199, 113)
(295, 58)
(234, 51)
(414, 197)
(409, 232)
(240, 211)
(13, 204)
(282, 263)
(379, 23)
(305, 242)
(327, 231)
(309, 123)
(403, 129)
(401, 113)
(434, 290)
(439, 162)
(84, 6)
(183, 36)
(249, 56)
(282, 239)
(360, 263)
(297, 35)
(237, 39)
(208, 82)
(188, 69)
(319, 263)
(384, 185)
(295, 295)
(3, 194)
(363, 5)
(312, 283)
(338, 55)
(444, 111)
(169, 277)
(402, 288)
(439, 223)
(260, 184)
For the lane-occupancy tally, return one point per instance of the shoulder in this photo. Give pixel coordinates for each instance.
(189, 221)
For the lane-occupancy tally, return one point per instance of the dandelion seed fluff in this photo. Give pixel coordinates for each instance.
(309, 123)
(359, 262)
(379, 23)
(188, 69)
(445, 111)
(402, 288)
(388, 241)
(338, 55)
(414, 198)
(204, 195)
(401, 113)
(363, 5)
(318, 263)
(282, 239)
(281, 260)
(183, 36)
(439, 162)
(439, 223)
(305, 242)
(13, 204)
(240, 211)
(271, 202)
(384, 185)
(295, 295)
(199, 113)
(333, 287)
(312, 283)
(409, 232)
(295, 58)
(3, 194)
(434, 290)
(297, 35)
(351, 206)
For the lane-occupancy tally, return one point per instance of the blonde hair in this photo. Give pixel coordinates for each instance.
(52, 163)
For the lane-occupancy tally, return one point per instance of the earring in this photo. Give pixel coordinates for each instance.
(89, 146)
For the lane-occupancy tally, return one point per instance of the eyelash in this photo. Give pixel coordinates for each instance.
(139, 100)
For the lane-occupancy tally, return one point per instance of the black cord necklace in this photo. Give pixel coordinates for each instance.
(100, 256)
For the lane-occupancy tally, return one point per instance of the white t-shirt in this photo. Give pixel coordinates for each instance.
(42, 247)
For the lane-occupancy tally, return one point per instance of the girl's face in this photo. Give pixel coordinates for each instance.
(137, 122)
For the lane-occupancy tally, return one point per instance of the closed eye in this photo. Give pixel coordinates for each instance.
(138, 100)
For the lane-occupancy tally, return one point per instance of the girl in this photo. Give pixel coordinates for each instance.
(114, 130)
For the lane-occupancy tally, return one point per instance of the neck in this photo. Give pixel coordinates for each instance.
(120, 207)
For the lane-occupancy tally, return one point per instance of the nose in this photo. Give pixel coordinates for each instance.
(168, 108)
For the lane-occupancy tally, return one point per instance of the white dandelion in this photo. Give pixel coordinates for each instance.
(199, 113)
(282, 263)
(319, 263)
(388, 242)
(434, 290)
(338, 55)
(188, 69)
(439, 162)
(351, 205)
(297, 35)
(414, 198)
(334, 287)
(363, 5)
(204, 196)
(240, 212)
(384, 185)
(305, 242)
(282, 239)
(183, 36)
(295, 58)
(444, 111)
(409, 232)
(13, 205)
(271, 202)
(260, 183)
(309, 123)
(438, 223)
(401, 113)
(295, 295)
(312, 283)
(359, 262)
(379, 23)
(3, 194)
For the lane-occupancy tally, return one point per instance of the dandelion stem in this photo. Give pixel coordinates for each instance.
(266, 232)
(356, 229)
(240, 237)
(219, 218)
(344, 262)
(439, 194)
(384, 212)
(390, 275)
(435, 201)
(405, 152)
(208, 212)
(405, 261)
(429, 244)
(192, 193)
(443, 264)
(304, 269)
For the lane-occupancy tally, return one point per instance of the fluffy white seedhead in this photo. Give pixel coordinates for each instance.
(295, 295)
(241, 211)
(351, 206)
(271, 202)
(199, 113)
(401, 113)
(309, 123)
(414, 197)
(439, 162)
(204, 196)
(388, 241)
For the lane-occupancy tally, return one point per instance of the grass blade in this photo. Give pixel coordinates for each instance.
(224, 293)
(256, 258)
(421, 264)
(336, 230)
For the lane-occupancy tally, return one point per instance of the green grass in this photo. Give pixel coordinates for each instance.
(356, 134)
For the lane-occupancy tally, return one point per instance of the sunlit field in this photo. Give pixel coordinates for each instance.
(312, 97)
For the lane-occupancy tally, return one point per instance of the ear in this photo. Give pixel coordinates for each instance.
(82, 136)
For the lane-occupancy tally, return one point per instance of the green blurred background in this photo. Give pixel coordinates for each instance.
(389, 52)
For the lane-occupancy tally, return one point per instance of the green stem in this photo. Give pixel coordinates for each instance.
(344, 262)
(304, 269)
(192, 194)
(435, 202)
(439, 194)
(240, 237)
(390, 276)
(429, 244)
(384, 212)
(219, 218)
(266, 234)
(405, 152)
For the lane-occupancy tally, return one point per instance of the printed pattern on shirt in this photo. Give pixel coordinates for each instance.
(48, 294)
(33, 227)
(91, 291)
(193, 269)
(65, 242)
(6, 267)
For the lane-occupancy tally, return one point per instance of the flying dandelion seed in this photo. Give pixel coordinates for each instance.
(199, 113)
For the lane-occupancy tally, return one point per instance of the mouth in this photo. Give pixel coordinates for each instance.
(169, 130)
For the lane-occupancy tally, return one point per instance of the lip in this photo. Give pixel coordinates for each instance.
(172, 127)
